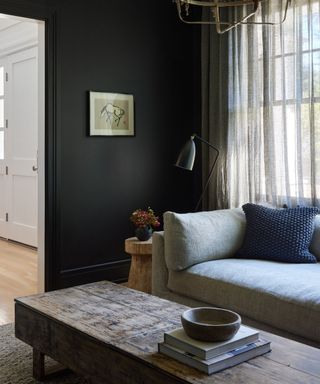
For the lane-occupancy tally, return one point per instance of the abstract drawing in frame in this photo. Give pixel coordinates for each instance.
(111, 114)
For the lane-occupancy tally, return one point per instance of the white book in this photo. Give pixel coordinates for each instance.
(218, 363)
(207, 350)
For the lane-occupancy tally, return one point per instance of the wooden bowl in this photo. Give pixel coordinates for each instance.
(210, 324)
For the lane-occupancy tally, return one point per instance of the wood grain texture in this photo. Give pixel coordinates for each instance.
(38, 365)
(18, 276)
(109, 333)
(137, 247)
(140, 275)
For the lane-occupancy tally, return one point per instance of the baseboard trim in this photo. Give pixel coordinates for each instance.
(116, 271)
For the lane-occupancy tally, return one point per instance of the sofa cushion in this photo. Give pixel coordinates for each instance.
(285, 296)
(192, 238)
(278, 234)
(315, 242)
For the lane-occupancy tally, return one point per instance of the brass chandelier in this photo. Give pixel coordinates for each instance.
(215, 7)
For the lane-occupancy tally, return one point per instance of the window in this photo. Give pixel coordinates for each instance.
(274, 110)
(295, 90)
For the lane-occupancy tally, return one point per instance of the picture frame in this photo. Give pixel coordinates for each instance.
(111, 114)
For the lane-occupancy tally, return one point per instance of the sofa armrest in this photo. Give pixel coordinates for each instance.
(159, 266)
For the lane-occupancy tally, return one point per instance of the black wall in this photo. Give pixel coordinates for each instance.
(137, 47)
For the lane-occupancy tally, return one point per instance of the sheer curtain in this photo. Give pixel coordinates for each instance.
(272, 123)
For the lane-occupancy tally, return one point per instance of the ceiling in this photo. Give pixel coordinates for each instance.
(6, 22)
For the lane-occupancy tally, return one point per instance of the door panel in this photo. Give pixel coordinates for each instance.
(3, 203)
(21, 145)
(23, 220)
(24, 107)
(3, 184)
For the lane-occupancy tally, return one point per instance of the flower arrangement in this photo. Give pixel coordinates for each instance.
(144, 218)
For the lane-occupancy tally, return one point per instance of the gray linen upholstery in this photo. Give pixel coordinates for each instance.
(159, 269)
(286, 296)
(280, 297)
(192, 238)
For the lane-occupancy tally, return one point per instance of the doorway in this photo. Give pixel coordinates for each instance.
(22, 126)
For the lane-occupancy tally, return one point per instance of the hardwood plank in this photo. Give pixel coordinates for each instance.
(18, 276)
(99, 362)
(38, 365)
(106, 319)
(124, 326)
(290, 353)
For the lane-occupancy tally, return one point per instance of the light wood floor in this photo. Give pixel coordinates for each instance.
(18, 276)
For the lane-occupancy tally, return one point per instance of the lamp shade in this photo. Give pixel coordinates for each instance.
(187, 156)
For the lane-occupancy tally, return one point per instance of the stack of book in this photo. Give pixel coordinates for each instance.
(213, 357)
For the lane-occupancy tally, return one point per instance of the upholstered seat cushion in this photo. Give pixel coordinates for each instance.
(282, 295)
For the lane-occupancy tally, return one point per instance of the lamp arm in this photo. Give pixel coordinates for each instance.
(211, 170)
(206, 142)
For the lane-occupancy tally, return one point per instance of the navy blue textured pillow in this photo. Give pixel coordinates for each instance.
(278, 234)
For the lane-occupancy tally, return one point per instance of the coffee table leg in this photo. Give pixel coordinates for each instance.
(38, 365)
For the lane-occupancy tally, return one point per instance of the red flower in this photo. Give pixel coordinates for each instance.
(141, 218)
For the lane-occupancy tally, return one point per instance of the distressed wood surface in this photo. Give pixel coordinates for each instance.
(140, 274)
(137, 247)
(38, 365)
(113, 332)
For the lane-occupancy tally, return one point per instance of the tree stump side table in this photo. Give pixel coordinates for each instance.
(141, 264)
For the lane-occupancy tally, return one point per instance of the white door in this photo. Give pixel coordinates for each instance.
(20, 146)
(3, 193)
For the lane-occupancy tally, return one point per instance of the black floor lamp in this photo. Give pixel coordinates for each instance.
(186, 160)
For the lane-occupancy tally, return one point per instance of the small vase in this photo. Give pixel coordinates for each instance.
(143, 233)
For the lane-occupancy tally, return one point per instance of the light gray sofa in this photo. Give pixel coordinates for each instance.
(193, 263)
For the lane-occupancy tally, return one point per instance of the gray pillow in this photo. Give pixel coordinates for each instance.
(191, 238)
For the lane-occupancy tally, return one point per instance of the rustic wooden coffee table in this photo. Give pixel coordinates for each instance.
(109, 333)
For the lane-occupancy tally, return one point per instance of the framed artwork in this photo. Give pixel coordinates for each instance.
(111, 114)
